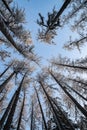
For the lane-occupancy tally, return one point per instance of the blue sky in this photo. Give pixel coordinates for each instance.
(32, 8)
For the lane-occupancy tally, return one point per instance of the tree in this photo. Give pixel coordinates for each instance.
(32, 118)
(3, 119)
(20, 115)
(11, 25)
(6, 81)
(4, 54)
(56, 116)
(8, 67)
(38, 100)
(18, 67)
(45, 125)
(52, 23)
(76, 13)
(11, 114)
(71, 97)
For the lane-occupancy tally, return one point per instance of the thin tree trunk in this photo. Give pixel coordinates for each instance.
(78, 41)
(11, 114)
(75, 11)
(64, 116)
(71, 66)
(41, 110)
(5, 70)
(70, 96)
(32, 127)
(65, 4)
(21, 112)
(6, 33)
(75, 91)
(7, 6)
(6, 81)
(3, 119)
(77, 81)
(57, 120)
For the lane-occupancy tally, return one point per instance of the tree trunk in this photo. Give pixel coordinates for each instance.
(68, 123)
(66, 3)
(70, 96)
(7, 6)
(32, 127)
(41, 110)
(5, 70)
(77, 81)
(57, 120)
(3, 119)
(21, 112)
(71, 66)
(6, 33)
(6, 81)
(11, 114)
(75, 92)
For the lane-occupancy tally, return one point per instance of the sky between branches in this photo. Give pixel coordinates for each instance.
(46, 51)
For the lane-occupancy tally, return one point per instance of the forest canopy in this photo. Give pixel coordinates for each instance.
(43, 65)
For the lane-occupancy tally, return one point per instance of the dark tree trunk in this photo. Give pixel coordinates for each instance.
(75, 92)
(11, 114)
(3, 119)
(68, 123)
(45, 125)
(21, 112)
(7, 6)
(57, 120)
(6, 33)
(6, 81)
(71, 66)
(5, 70)
(66, 3)
(70, 96)
(32, 127)
(78, 81)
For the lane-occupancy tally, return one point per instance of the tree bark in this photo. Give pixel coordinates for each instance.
(41, 109)
(5, 70)
(78, 81)
(7, 6)
(21, 112)
(75, 91)
(6, 33)
(65, 4)
(6, 81)
(70, 96)
(64, 116)
(2, 121)
(57, 120)
(32, 127)
(71, 66)
(11, 114)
